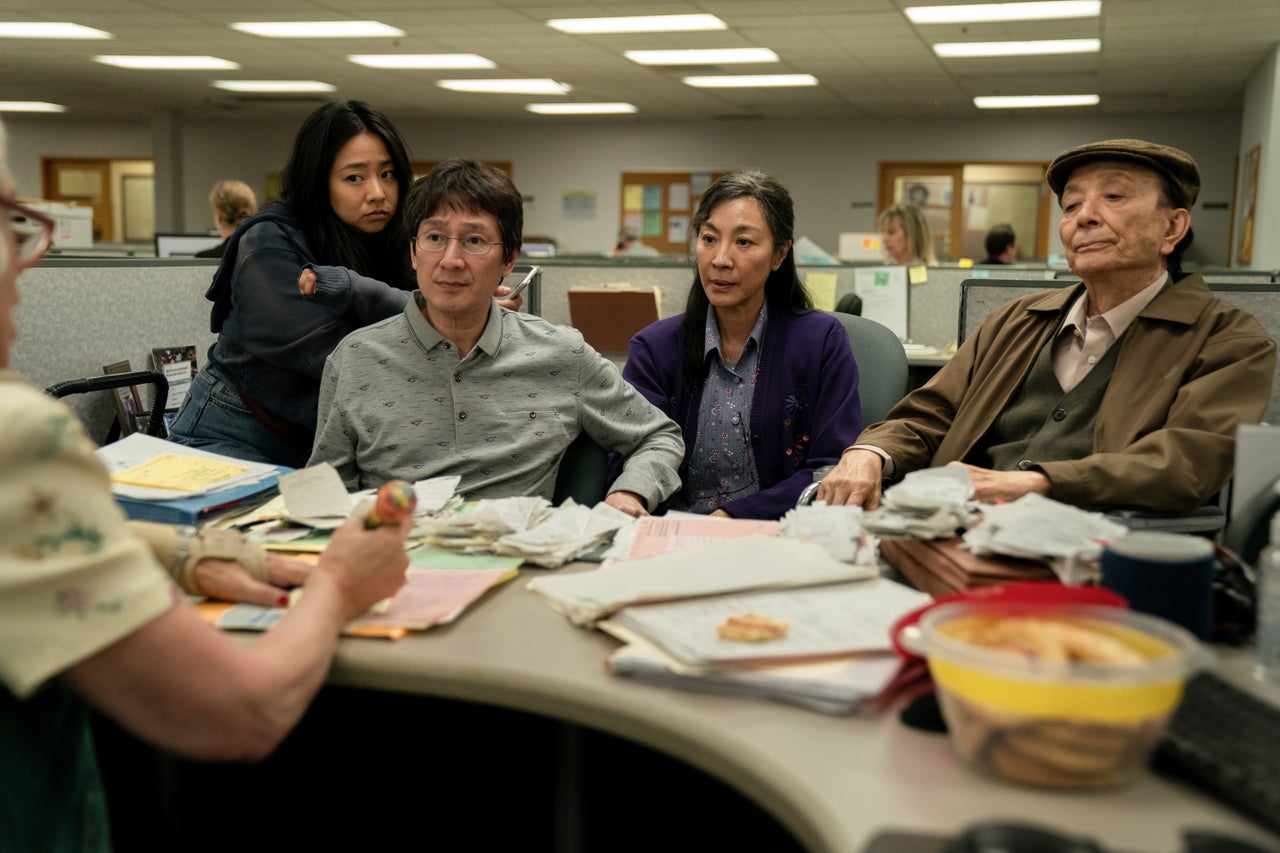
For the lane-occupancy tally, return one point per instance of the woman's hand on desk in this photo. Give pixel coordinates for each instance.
(628, 502)
(231, 581)
(855, 480)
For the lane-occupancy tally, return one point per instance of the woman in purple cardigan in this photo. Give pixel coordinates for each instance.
(764, 388)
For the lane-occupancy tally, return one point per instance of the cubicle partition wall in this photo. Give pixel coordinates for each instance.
(75, 317)
(981, 297)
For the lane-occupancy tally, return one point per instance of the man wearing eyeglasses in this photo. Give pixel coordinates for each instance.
(459, 385)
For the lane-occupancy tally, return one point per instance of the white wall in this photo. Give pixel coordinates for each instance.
(1260, 125)
(829, 166)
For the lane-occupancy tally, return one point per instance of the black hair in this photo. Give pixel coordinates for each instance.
(469, 186)
(304, 190)
(782, 289)
(999, 239)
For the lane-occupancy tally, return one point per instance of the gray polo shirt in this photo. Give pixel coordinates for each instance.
(396, 402)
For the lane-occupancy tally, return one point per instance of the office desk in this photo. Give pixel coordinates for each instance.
(921, 366)
(833, 781)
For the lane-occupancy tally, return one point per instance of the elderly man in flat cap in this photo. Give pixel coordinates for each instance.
(1122, 391)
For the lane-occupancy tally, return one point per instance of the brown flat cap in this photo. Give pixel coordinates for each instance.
(1172, 163)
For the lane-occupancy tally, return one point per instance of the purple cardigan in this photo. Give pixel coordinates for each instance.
(804, 413)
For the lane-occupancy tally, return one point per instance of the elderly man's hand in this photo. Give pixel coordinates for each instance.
(991, 486)
(855, 480)
(628, 502)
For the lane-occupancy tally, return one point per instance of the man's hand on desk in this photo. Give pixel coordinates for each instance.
(991, 486)
(628, 502)
(854, 480)
(230, 580)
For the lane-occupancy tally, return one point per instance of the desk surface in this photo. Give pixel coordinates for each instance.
(833, 781)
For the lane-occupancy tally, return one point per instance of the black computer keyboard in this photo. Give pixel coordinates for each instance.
(1227, 741)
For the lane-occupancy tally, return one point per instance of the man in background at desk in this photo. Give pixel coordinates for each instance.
(1001, 245)
(1039, 399)
(459, 385)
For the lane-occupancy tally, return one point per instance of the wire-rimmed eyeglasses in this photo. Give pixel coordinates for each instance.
(472, 244)
(32, 230)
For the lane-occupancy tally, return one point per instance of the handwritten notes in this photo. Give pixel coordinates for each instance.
(179, 472)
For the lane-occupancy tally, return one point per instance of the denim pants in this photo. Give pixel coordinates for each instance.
(214, 418)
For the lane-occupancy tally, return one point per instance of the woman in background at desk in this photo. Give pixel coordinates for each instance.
(233, 202)
(338, 231)
(906, 236)
(87, 613)
(765, 389)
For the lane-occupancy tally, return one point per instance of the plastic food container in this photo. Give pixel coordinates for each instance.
(1020, 702)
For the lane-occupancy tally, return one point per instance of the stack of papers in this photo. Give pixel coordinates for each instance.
(1034, 527)
(928, 504)
(753, 562)
(157, 480)
(569, 531)
(838, 529)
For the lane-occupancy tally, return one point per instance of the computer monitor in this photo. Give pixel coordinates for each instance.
(184, 245)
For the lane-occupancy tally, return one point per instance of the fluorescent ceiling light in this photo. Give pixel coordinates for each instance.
(724, 56)
(31, 107)
(169, 63)
(638, 24)
(1017, 48)
(581, 109)
(317, 29)
(529, 86)
(745, 81)
(48, 30)
(422, 60)
(1004, 102)
(980, 13)
(277, 86)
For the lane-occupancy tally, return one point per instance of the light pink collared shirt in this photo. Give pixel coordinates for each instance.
(1083, 341)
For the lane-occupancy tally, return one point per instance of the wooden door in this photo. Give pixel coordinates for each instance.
(85, 181)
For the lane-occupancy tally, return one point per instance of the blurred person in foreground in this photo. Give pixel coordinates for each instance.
(1124, 390)
(89, 612)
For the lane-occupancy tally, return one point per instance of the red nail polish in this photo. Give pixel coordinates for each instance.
(282, 601)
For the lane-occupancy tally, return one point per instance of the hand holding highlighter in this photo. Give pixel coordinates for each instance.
(396, 501)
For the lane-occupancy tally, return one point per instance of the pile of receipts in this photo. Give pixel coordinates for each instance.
(1069, 539)
(927, 504)
(315, 498)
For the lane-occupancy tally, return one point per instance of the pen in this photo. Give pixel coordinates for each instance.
(396, 501)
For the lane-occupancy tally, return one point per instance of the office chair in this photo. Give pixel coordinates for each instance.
(882, 376)
(882, 365)
(110, 382)
(584, 468)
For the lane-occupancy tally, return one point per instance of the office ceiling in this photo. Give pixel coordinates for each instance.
(871, 62)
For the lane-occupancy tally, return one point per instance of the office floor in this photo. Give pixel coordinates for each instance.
(369, 770)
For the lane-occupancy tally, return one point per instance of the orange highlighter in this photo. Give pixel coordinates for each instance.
(396, 501)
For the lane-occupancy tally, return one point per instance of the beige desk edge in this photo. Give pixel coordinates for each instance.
(833, 781)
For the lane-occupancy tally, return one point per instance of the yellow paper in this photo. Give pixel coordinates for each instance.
(917, 275)
(178, 472)
(633, 197)
(966, 263)
(822, 288)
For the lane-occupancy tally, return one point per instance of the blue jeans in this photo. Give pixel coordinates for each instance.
(214, 418)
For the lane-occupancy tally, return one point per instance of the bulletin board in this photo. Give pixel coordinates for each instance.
(659, 205)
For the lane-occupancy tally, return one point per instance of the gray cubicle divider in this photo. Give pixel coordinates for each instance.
(982, 296)
(77, 316)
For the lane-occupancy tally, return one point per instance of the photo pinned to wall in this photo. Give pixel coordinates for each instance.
(578, 204)
(128, 402)
(1248, 196)
(678, 229)
(178, 364)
